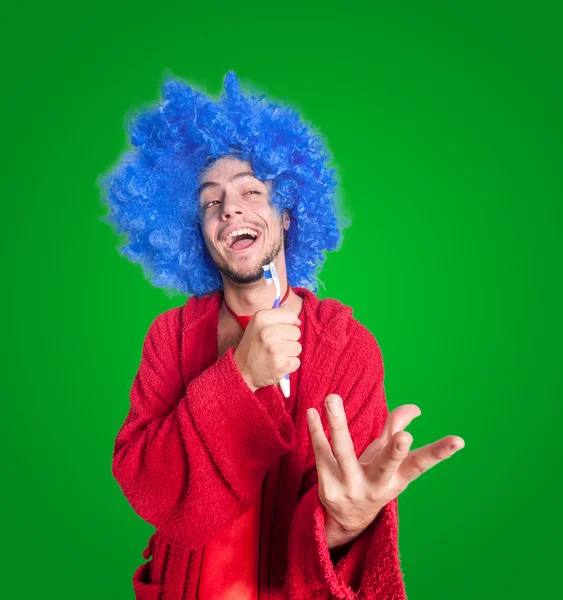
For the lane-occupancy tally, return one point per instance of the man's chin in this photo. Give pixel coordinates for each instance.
(249, 273)
(242, 277)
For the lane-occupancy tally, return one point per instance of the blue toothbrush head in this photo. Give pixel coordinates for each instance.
(271, 276)
(268, 274)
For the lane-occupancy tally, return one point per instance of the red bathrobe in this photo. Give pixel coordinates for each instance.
(198, 447)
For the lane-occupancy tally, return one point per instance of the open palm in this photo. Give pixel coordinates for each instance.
(353, 490)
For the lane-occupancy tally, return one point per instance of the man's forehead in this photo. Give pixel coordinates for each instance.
(227, 170)
(226, 167)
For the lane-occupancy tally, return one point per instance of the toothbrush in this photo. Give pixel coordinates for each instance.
(271, 276)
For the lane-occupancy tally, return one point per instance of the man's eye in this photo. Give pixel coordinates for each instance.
(253, 192)
(210, 203)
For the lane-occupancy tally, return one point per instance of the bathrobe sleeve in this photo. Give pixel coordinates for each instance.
(186, 458)
(369, 566)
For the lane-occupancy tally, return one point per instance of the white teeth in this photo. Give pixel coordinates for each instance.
(244, 231)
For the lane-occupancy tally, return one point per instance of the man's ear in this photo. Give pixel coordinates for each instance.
(286, 219)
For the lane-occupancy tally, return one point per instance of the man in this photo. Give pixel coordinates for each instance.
(248, 497)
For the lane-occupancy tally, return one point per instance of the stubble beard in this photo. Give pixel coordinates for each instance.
(253, 276)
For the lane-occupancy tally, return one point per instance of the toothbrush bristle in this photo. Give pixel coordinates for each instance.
(271, 276)
(268, 275)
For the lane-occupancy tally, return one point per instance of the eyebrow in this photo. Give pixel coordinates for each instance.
(207, 184)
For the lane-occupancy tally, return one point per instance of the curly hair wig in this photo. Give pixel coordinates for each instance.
(152, 191)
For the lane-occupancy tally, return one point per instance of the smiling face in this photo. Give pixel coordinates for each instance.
(242, 229)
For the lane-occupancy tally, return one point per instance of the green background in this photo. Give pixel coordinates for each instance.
(445, 123)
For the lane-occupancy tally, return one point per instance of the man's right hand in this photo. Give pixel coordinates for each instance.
(269, 348)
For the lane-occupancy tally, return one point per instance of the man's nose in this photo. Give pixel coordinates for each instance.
(232, 205)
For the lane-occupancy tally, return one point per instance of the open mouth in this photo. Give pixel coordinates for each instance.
(241, 239)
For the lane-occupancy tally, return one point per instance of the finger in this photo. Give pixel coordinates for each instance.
(420, 460)
(323, 453)
(383, 467)
(370, 451)
(342, 444)
(290, 348)
(291, 365)
(398, 419)
(291, 333)
(273, 316)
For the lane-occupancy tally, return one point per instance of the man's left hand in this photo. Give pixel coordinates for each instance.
(353, 490)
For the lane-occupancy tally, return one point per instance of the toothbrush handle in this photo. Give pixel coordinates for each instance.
(284, 386)
(284, 383)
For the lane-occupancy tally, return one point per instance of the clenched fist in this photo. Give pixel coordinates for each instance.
(269, 348)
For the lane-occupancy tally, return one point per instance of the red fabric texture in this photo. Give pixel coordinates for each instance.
(229, 569)
(198, 447)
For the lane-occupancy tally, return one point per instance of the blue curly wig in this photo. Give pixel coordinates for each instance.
(152, 192)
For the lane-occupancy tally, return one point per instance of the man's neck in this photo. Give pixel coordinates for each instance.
(246, 299)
